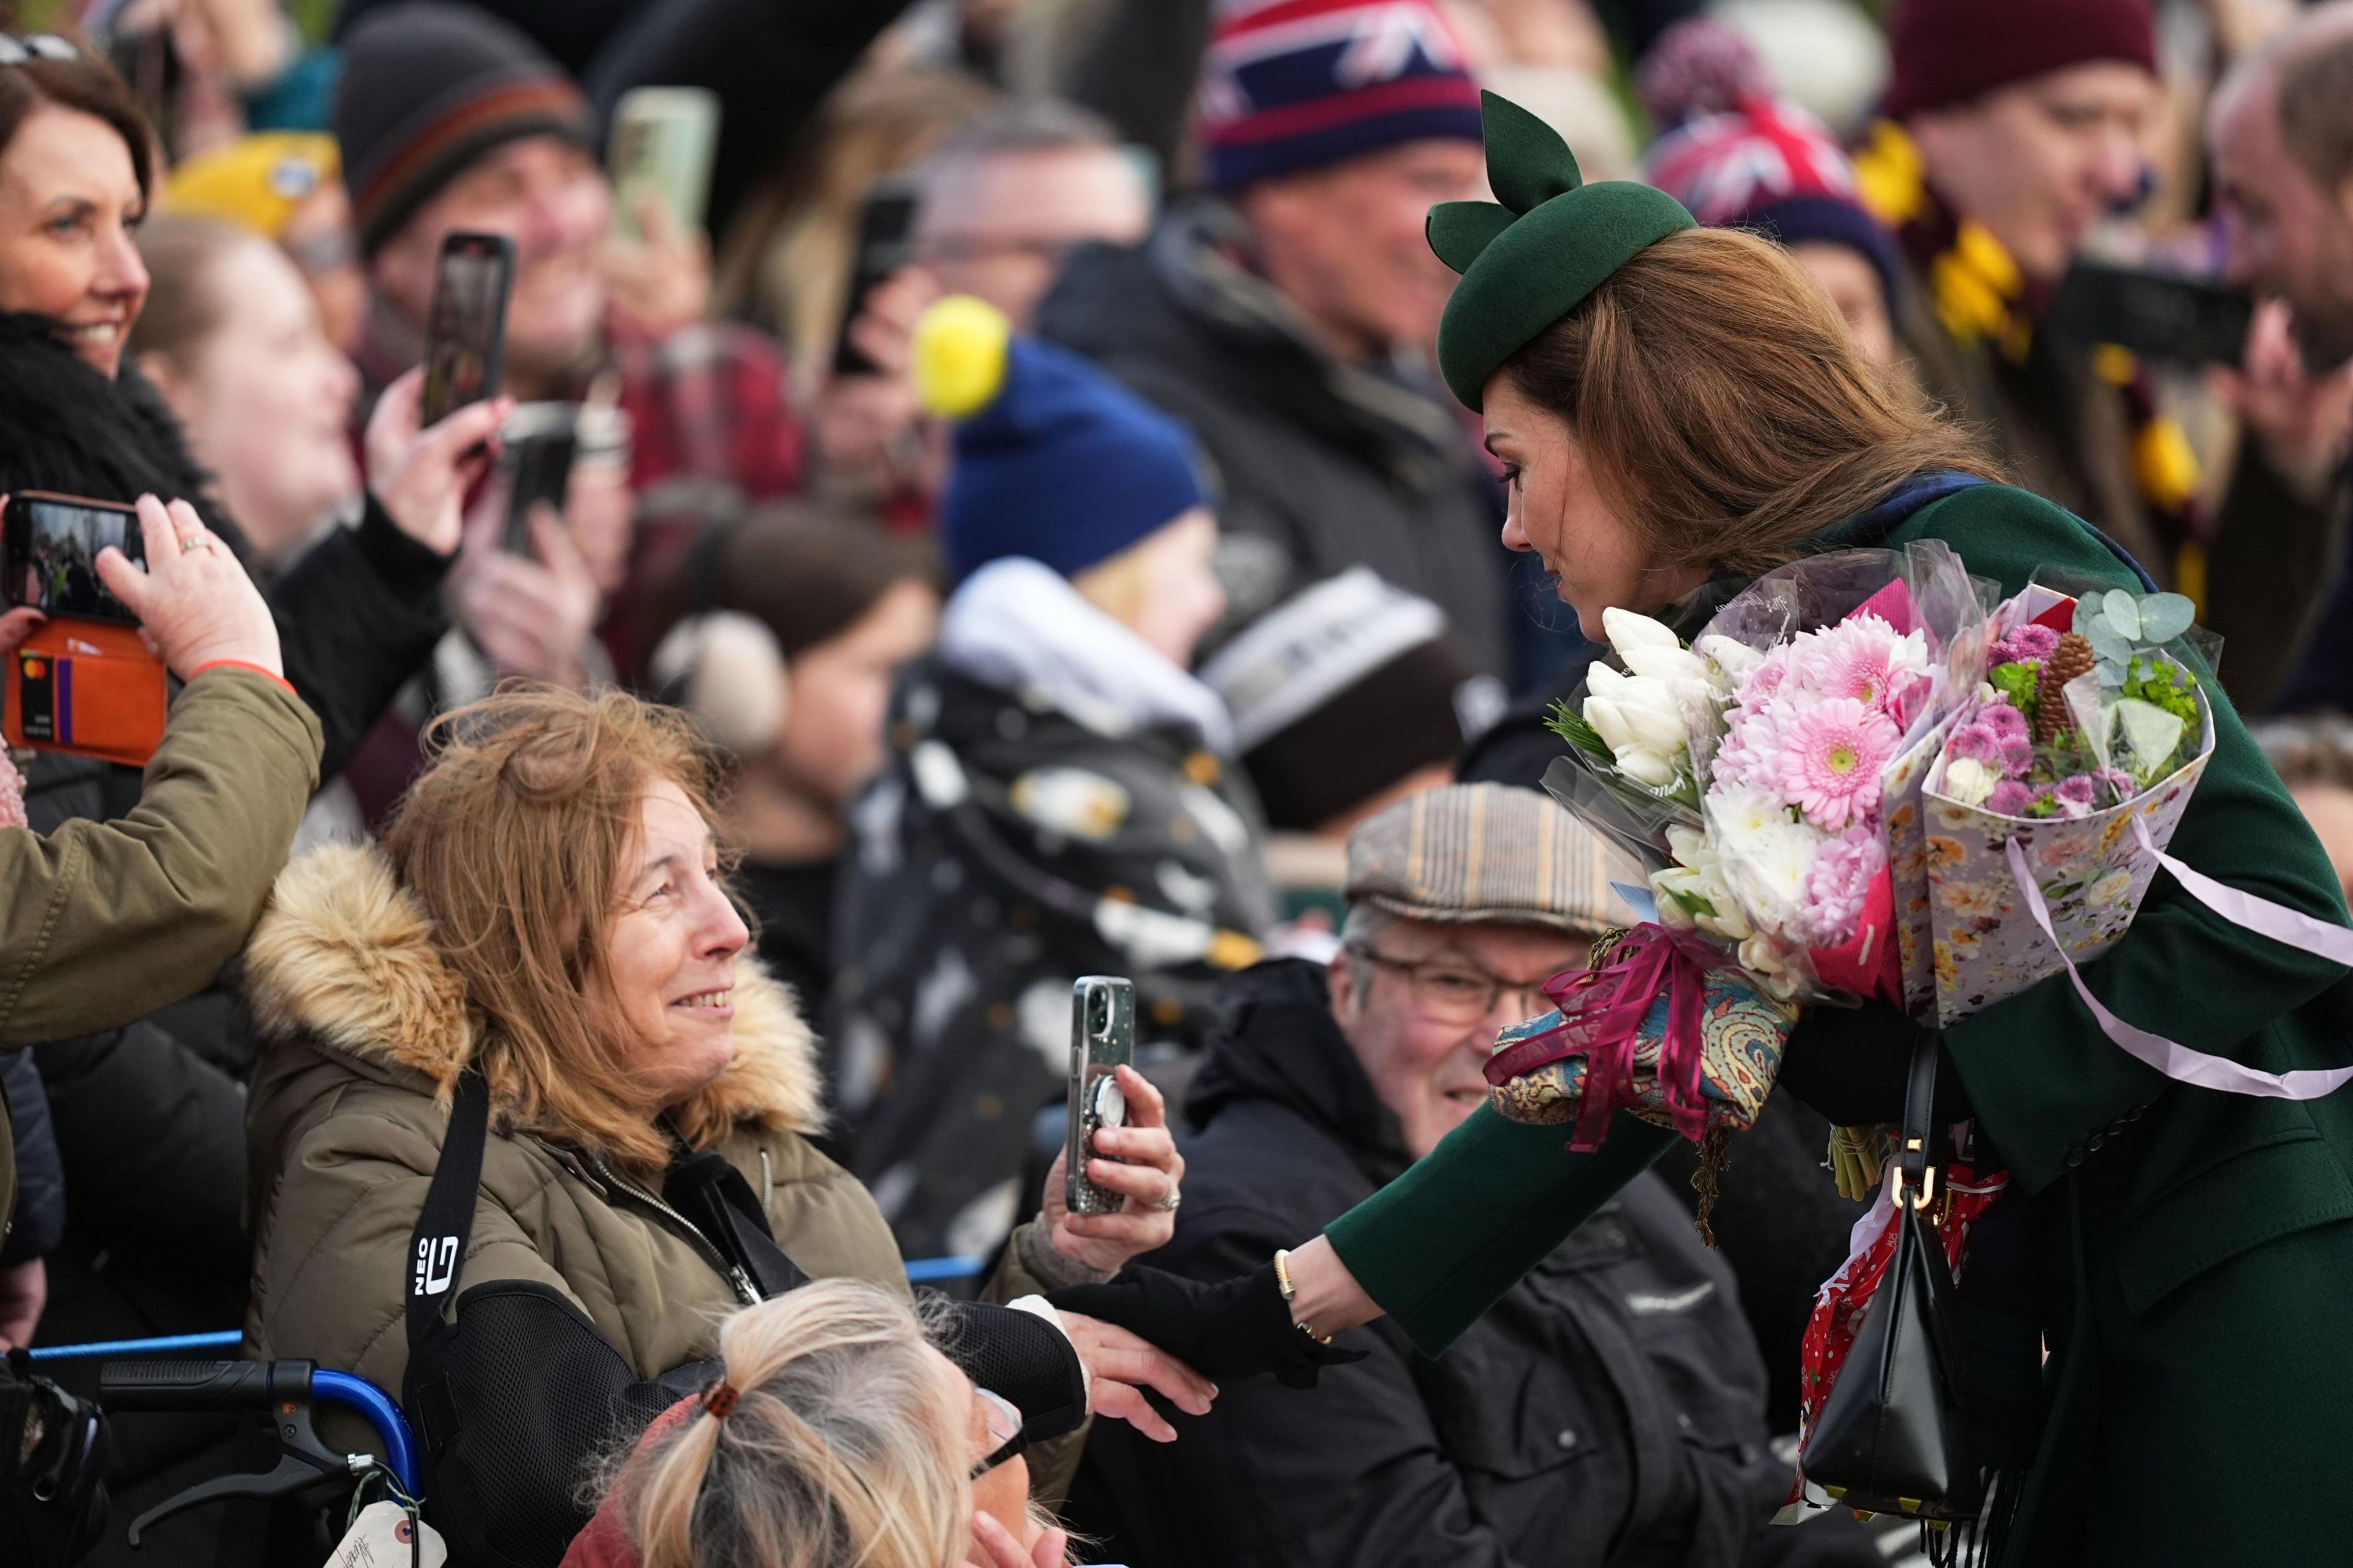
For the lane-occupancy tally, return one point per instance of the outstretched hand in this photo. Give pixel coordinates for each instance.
(1121, 1365)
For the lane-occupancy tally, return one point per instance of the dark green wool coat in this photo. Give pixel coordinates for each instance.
(2195, 1258)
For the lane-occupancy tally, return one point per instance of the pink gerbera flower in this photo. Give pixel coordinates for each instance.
(1831, 758)
(1861, 658)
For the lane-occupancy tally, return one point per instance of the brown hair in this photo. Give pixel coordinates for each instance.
(2315, 84)
(184, 307)
(85, 83)
(845, 1448)
(514, 839)
(1722, 406)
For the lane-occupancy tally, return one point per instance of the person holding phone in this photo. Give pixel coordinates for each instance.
(361, 609)
(103, 922)
(506, 146)
(2012, 130)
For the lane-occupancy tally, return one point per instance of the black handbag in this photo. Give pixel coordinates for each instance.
(1892, 1437)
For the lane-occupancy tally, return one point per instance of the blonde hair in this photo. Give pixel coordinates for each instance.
(846, 1448)
(514, 840)
(1722, 404)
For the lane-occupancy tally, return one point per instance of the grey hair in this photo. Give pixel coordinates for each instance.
(1365, 924)
(1039, 125)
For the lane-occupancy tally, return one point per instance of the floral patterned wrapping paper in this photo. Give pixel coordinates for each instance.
(1743, 1032)
(2092, 870)
(1904, 788)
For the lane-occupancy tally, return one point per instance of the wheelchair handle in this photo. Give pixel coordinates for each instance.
(203, 1384)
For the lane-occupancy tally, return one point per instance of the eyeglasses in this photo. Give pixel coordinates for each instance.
(1452, 991)
(1004, 1421)
(18, 52)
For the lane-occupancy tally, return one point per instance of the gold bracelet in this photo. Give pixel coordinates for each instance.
(1290, 1294)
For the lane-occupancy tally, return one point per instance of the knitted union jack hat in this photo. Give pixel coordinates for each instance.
(1300, 83)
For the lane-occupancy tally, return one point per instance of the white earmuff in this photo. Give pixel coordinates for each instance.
(724, 668)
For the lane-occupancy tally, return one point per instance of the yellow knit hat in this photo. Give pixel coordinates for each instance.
(256, 181)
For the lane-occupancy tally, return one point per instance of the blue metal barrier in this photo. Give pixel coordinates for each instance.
(226, 1340)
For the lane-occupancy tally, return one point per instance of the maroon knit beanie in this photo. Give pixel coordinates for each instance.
(1950, 51)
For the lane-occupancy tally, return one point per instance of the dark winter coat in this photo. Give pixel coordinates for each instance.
(1609, 1410)
(31, 1227)
(1007, 850)
(356, 614)
(2191, 1251)
(1320, 465)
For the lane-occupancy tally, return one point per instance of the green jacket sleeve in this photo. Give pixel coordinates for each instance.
(105, 921)
(1442, 1243)
(2041, 1075)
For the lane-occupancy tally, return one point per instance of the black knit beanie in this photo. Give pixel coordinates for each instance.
(1339, 694)
(427, 89)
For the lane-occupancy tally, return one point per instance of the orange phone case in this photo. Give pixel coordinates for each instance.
(89, 687)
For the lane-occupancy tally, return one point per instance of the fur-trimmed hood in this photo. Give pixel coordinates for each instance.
(344, 960)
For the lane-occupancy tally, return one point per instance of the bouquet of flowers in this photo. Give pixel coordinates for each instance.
(2060, 787)
(1765, 776)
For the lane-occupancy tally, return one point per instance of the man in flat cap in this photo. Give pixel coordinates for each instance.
(1609, 1409)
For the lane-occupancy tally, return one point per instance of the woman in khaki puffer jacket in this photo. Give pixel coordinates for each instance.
(616, 1038)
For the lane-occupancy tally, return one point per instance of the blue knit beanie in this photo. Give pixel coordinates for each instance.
(1054, 461)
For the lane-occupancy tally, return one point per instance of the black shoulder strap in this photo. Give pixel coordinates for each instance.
(436, 1251)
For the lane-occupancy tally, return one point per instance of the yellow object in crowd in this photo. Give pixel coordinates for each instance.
(960, 355)
(256, 181)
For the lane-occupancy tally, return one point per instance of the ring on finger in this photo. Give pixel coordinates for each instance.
(1168, 1205)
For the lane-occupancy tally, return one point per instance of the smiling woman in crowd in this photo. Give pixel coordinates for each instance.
(362, 608)
(1677, 410)
(232, 339)
(549, 909)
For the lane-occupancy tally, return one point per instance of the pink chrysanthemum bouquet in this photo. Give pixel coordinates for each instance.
(1837, 680)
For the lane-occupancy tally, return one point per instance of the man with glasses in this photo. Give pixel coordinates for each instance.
(1611, 1409)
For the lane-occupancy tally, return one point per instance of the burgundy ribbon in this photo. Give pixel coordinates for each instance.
(1601, 1014)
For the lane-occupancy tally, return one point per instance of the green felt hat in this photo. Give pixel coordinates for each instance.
(1530, 257)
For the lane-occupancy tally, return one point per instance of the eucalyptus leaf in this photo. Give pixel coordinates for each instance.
(2109, 645)
(2119, 611)
(2164, 616)
(2111, 675)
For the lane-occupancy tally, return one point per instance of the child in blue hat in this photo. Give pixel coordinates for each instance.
(1061, 798)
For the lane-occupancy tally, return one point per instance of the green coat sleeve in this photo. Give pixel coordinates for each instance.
(103, 922)
(2041, 1075)
(1442, 1243)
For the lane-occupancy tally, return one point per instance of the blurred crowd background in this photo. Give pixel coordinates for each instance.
(1096, 667)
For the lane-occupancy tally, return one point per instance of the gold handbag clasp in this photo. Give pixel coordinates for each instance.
(1927, 1194)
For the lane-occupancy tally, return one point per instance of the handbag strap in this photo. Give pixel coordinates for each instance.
(437, 1249)
(1915, 1148)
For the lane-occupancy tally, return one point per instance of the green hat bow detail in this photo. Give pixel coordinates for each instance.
(1535, 253)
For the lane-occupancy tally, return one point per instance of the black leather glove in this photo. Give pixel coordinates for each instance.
(1234, 1328)
(1850, 1064)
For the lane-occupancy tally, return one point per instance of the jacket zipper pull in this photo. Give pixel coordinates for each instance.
(743, 1285)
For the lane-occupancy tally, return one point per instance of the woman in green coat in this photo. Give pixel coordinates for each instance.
(1676, 410)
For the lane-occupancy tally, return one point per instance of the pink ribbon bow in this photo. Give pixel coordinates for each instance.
(1601, 1014)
